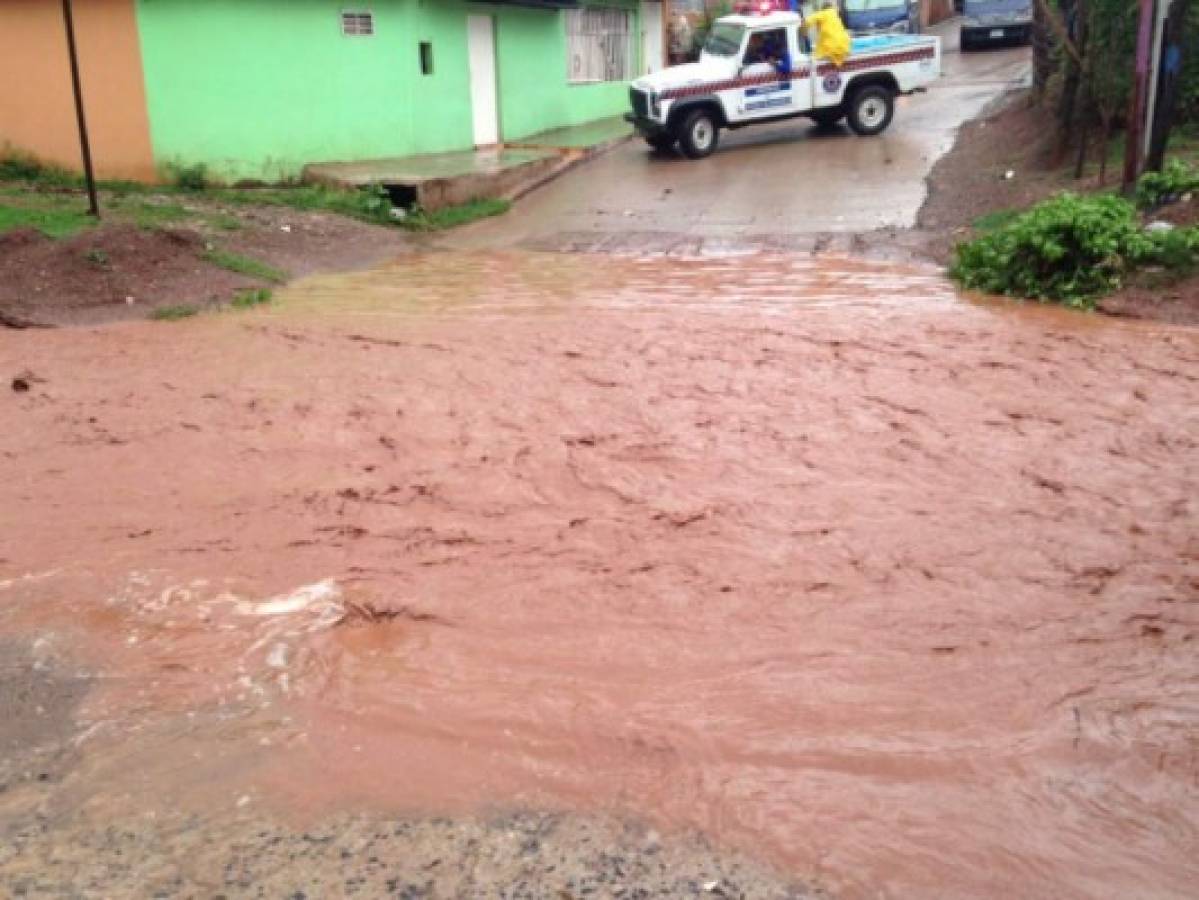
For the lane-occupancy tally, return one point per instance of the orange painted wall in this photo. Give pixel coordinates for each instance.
(37, 112)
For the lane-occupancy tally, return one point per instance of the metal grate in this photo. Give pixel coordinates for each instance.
(599, 44)
(358, 24)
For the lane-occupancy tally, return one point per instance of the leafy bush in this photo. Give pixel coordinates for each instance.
(1156, 188)
(19, 166)
(1069, 249)
(189, 178)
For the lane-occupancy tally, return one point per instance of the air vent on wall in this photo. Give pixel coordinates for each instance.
(357, 24)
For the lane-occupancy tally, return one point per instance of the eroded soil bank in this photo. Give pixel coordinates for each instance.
(893, 592)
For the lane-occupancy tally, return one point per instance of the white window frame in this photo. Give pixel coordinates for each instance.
(600, 44)
(357, 23)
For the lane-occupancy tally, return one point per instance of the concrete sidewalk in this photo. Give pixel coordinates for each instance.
(437, 180)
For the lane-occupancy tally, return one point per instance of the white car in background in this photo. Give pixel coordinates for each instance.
(726, 88)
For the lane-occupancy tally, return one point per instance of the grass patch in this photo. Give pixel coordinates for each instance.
(250, 299)
(454, 216)
(244, 265)
(995, 219)
(368, 205)
(151, 215)
(53, 223)
(175, 313)
(25, 176)
(97, 257)
(223, 221)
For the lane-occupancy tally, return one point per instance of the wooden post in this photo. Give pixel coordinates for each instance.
(1140, 92)
(81, 118)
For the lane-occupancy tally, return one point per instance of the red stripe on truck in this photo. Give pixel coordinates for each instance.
(850, 65)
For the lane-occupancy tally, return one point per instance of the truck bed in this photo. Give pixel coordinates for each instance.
(876, 43)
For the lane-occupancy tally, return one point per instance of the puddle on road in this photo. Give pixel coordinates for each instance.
(502, 283)
(897, 592)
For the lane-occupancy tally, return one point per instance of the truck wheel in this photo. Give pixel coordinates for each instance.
(827, 118)
(871, 110)
(661, 141)
(699, 134)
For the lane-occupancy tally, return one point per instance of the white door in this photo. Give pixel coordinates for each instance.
(651, 36)
(480, 45)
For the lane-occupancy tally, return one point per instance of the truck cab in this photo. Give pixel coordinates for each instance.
(881, 16)
(759, 68)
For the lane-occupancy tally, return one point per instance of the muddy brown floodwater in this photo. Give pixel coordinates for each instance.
(894, 591)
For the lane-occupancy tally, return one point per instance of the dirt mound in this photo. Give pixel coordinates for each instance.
(1176, 303)
(99, 275)
(1183, 214)
(1000, 162)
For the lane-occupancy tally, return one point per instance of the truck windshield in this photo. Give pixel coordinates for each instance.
(724, 39)
(982, 7)
(873, 5)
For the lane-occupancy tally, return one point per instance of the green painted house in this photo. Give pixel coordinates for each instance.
(256, 89)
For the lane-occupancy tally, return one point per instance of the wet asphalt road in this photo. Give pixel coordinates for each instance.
(790, 178)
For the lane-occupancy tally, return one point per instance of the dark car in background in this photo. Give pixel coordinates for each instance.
(995, 22)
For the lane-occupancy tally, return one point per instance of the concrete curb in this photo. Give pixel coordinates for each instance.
(571, 159)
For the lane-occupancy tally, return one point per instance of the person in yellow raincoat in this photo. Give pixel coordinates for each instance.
(832, 40)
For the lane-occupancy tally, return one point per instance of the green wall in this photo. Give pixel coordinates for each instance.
(534, 93)
(254, 89)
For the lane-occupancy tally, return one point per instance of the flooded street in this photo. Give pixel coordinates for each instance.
(890, 591)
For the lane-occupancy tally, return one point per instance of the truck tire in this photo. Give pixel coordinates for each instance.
(661, 142)
(827, 118)
(699, 134)
(871, 110)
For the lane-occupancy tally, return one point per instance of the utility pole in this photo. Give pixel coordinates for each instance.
(84, 144)
(1169, 73)
(1140, 93)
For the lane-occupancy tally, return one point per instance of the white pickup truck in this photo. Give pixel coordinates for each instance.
(732, 87)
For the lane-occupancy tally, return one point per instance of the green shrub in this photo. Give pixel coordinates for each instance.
(175, 313)
(18, 166)
(251, 298)
(1174, 180)
(189, 178)
(1069, 249)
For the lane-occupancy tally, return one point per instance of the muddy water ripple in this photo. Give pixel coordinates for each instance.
(896, 591)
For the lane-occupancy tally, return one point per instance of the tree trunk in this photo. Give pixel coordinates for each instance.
(1042, 50)
(1072, 15)
(1106, 138)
